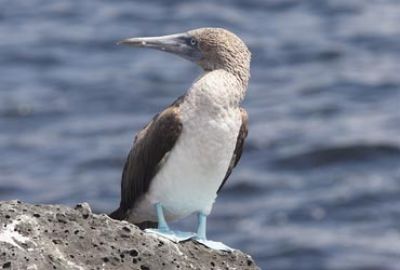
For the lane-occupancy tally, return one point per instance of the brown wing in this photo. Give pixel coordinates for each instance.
(147, 155)
(239, 146)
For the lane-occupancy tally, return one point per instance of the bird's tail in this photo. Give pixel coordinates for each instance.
(120, 214)
(147, 225)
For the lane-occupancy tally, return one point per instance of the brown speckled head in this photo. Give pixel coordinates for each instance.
(211, 48)
(221, 49)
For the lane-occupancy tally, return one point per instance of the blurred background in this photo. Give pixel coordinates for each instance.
(318, 186)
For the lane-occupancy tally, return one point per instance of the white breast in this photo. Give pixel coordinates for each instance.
(197, 165)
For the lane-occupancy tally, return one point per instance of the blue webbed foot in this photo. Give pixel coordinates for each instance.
(202, 239)
(174, 236)
(164, 231)
(214, 245)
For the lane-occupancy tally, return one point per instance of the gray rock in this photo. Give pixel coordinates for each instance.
(41, 237)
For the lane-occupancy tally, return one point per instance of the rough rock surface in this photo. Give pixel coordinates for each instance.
(41, 237)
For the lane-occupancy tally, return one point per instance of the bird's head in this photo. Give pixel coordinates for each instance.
(210, 48)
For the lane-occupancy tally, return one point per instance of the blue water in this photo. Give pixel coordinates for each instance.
(318, 186)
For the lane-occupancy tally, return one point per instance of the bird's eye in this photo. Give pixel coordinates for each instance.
(193, 42)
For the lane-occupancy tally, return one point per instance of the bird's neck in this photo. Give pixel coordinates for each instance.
(217, 89)
(240, 70)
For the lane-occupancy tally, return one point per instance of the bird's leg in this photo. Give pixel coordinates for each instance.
(162, 224)
(201, 235)
(163, 229)
(202, 226)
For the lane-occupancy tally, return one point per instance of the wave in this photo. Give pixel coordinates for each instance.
(338, 154)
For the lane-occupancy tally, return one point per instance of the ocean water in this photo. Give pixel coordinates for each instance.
(318, 186)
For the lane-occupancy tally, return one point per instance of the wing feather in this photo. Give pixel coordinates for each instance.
(239, 147)
(151, 147)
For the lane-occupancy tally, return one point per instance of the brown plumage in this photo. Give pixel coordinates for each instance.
(150, 146)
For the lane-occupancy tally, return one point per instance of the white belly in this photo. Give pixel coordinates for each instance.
(194, 169)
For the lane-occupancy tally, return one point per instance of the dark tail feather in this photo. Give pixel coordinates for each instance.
(147, 225)
(118, 214)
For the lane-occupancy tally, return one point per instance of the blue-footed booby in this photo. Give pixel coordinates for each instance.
(182, 158)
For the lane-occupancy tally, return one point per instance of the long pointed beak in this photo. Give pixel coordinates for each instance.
(178, 44)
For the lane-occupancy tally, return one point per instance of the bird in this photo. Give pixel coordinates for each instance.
(182, 158)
